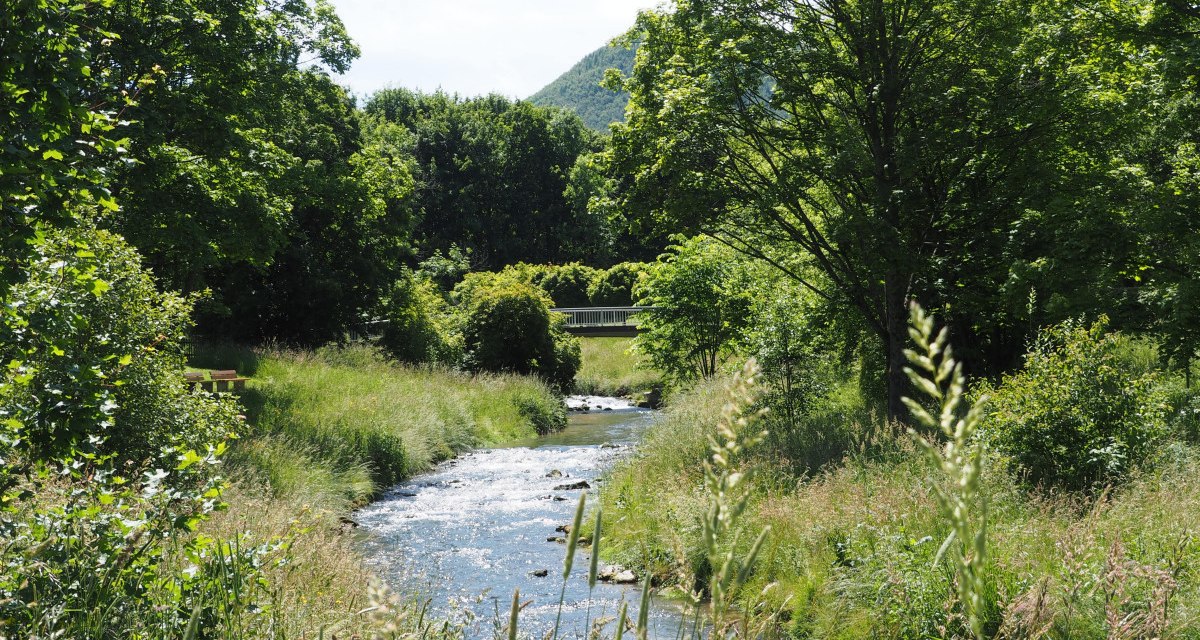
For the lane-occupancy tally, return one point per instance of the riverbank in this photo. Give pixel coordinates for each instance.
(852, 547)
(610, 367)
(326, 431)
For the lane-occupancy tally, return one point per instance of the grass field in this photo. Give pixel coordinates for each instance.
(610, 368)
(852, 548)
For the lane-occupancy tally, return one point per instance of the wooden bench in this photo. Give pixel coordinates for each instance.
(218, 381)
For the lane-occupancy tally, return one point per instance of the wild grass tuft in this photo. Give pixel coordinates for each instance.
(357, 409)
(959, 458)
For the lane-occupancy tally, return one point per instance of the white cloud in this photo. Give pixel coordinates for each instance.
(474, 47)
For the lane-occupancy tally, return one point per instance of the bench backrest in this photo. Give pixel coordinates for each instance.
(224, 375)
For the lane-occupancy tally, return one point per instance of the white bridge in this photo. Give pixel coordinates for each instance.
(618, 321)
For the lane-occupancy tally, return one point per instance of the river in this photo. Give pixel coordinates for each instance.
(476, 528)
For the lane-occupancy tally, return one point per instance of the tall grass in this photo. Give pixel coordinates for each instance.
(853, 548)
(358, 411)
(610, 368)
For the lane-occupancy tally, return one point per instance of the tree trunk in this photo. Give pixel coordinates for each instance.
(896, 336)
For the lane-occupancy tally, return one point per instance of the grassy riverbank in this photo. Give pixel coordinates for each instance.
(326, 430)
(852, 548)
(611, 368)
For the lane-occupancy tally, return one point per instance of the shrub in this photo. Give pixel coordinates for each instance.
(420, 327)
(508, 327)
(567, 285)
(1073, 417)
(94, 337)
(106, 457)
(614, 287)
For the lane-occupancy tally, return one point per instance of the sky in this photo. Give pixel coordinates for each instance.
(475, 47)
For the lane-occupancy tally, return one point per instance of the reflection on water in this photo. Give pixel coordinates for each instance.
(476, 528)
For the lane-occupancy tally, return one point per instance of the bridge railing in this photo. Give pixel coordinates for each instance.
(600, 316)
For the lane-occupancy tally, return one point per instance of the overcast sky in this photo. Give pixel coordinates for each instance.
(473, 47)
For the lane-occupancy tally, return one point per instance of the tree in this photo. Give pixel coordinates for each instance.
(347, 236)
(899, 144)
(699, 307)
(210, 184)
(51, 52)
(493, 177)
(1169, 158)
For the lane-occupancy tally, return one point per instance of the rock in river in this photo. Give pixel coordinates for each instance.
(582, 484)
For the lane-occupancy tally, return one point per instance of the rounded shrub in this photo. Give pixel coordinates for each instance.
(101, 357)
(567, 285)
(508, 326)
(1075, 416)
(613, 287)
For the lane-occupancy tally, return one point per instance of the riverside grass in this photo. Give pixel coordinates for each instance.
(611, 368)
(853, 547)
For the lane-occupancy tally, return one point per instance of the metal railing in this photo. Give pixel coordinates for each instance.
(600, 316)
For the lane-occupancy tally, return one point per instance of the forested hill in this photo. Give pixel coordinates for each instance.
(579, 89)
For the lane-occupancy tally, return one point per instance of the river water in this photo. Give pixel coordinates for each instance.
(474, 529)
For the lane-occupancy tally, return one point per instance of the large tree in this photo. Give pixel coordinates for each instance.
(909, 148)
(493, 176)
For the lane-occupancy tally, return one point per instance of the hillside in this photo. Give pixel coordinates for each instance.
(579, 89)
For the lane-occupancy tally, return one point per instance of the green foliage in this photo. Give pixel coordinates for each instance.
(567, 285)
(346, 235)
(781, 337)
(805, 129)
(90, 337)
(53, 52)
(492, 174)
(580, 90)
(420, 325)
(699, 308)
(1074, 417)
(446, 269)
(508, 327)
(614, 286)
(107, 457)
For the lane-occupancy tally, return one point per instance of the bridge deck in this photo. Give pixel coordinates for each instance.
(601, 321)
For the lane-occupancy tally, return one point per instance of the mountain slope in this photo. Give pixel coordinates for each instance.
(579, 89)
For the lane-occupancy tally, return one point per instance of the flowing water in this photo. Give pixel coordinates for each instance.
(474, 529)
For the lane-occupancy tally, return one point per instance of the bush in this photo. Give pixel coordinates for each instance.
(420, 326)
(1074, 417)
(508, 327)
(614, 287)
(96, 338)
(567, 285)
(107, 457)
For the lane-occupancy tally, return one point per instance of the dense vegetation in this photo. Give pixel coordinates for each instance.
(579, 88)
(183, 172)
